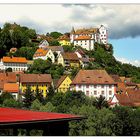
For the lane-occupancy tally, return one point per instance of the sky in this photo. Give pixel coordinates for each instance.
(121, 20)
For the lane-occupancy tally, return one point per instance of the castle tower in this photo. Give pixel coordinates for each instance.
(72, 35)
(103, 34)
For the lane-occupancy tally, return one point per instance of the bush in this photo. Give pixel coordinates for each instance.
(48, 107)
(36, 105)
(12, 103)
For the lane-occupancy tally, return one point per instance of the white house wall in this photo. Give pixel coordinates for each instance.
(14, 66)
(99, 90)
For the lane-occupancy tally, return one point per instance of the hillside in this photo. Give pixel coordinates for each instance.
(21, 37)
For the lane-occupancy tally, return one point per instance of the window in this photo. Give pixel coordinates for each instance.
(110, 86)
(102, 86)
(110, 92)
(102, 92)
(95, 86)
(79, 86)
(95, 92)
(87, 86)
(87, 93)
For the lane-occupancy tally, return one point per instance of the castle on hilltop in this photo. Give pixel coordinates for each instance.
(87, 37)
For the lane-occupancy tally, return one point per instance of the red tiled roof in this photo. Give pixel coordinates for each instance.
(64, 37)
(8, 77)
(81, 52)
(93, 77)
(130, 98)
(70, 56)
(83, 37)
(130, 84)
(40, 52)
(121, 86)
(14, 59)
(133, 91)
(11, 115)
(1, 85)
(54, 48)
(11, 87)
(86, 31)
(123, 99)
(116, 78)
(35, 78)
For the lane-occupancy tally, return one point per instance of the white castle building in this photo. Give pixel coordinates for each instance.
(87, 37)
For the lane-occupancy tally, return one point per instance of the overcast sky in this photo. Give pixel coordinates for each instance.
(122, 21)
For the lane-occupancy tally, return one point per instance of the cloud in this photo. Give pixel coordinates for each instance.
(121, 20)
(133, 62)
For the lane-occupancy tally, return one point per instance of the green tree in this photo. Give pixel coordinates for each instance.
(54, 43)
(28, 97)
(124, 115)
(39, 95)
(55, 35)
(36, 105)
(74, 98)
(50, 93)
(13, 35)
(56, 71)
(4, 96)
(135, 120)
(97, 123)
(26, 52)
(12, 103)
(100, 102)
(48, 107)
(68, 48)
(40, 66)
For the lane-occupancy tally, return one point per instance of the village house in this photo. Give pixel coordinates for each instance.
(131, 97)
(87, 37)
(43, 43)
(7, 78)
(43, 81)
(68, 59)
(121, 87)
(55, 49)
(17, 64)
(44, 54)
(12, 88)
(63, 84)
(94, 83)
(83, 58)
(64, 40)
